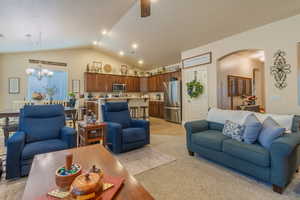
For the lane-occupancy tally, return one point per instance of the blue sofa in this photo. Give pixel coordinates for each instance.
(276, 166)
(124, 133)
(41, 130)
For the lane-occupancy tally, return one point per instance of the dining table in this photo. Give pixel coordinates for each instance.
(10, 113)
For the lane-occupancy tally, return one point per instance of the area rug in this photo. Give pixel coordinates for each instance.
(144, 159)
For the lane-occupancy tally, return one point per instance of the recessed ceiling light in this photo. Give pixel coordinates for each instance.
(134, 45)
(141, 62)
(121, 53)
(104, 32)
(1, 35)
(95, 43)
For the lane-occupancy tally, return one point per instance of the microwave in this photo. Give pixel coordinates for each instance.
(119, 87)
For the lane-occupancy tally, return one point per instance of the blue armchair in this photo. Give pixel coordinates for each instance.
(41, 130)
(124, 133)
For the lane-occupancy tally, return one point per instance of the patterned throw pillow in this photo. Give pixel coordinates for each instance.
(233, 130)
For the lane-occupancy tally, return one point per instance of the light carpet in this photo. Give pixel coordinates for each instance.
(189, 178)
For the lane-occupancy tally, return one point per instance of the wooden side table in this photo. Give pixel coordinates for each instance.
(91, 133)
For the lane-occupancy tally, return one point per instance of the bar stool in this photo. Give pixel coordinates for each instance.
(144, 112)
(134, 111)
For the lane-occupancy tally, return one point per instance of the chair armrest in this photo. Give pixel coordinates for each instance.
(15, 146)
(142, 124)
(114, 136)
(68, 135)
(196, 126)
(284, 159)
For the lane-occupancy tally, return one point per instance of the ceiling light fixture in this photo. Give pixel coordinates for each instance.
(134, 45)
(1, 35)
(95, 43)
(104, 32)
(121, 53)
(141, 62)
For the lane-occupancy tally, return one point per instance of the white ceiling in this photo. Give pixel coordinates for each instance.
(174, 26)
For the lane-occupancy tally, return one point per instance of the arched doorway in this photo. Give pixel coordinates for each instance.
(240, 77)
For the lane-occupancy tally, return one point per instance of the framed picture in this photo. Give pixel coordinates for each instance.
(198, 60)
(76, 86)
(97, 67)
(13, 85)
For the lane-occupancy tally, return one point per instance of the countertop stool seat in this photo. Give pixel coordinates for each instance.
(144, 112)
(134, 112)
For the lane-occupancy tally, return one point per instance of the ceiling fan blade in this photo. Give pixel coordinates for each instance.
(145, 8)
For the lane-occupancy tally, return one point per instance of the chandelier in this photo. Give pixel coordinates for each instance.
(39, 72)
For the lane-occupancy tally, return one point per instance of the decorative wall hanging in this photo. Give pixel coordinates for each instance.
(124, 69)
(280, 69)
(13, 85)
(194, 88)
(76, 86)
(107, 68)
(199, 60)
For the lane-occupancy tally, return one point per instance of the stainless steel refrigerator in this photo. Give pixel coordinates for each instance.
(172, 98)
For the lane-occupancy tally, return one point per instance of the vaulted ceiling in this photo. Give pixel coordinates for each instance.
(174, 25)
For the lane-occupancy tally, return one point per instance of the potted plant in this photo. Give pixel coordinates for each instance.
(72, 99)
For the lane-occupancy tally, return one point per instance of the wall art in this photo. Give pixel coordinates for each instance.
(280, 69)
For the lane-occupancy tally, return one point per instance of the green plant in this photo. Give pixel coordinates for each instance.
(72, 94)
(194, 88)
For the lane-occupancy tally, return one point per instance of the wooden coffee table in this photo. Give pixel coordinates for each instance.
(41, 178)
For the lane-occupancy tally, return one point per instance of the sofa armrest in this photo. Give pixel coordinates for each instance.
(15, 146)
(284, 159)
(143, 124)
(68, 135)
(114, 136)
(196, 126)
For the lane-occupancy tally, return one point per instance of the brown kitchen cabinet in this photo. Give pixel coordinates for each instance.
(156, 109)
(156, 82)
(94, 82)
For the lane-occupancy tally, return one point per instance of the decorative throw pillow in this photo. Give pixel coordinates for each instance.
(233, 130)
(252, 129)
(271, 130)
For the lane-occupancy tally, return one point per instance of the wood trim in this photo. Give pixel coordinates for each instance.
(210, 60)
(47, 62)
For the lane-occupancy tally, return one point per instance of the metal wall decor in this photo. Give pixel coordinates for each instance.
(280, 69)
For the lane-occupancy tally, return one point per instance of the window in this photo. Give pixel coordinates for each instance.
(59, 82)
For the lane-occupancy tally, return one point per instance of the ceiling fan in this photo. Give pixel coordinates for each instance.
(145, 8)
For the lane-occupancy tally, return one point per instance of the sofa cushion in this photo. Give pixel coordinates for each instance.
(211, 139)
(271, 131)
(253, 153)
(220, 115)
(46, 146)
(131, 135)
(252, 129)
(233, 130)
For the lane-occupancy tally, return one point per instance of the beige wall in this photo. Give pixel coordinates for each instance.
(284, 35)
(14, 65)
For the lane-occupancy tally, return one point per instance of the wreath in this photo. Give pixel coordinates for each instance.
(194, 88)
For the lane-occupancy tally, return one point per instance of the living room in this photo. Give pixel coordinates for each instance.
(134, 100)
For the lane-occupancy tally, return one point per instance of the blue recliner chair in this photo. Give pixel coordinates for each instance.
(124, 133)
(41, 130)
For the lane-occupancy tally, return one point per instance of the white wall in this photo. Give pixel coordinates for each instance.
(284, 35)
(14, 65)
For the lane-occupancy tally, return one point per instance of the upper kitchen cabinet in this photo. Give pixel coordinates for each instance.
(103, 82)
(144, 84)
(156, 82)
(90, 82)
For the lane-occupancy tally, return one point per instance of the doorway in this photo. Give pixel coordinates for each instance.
(241, 80)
